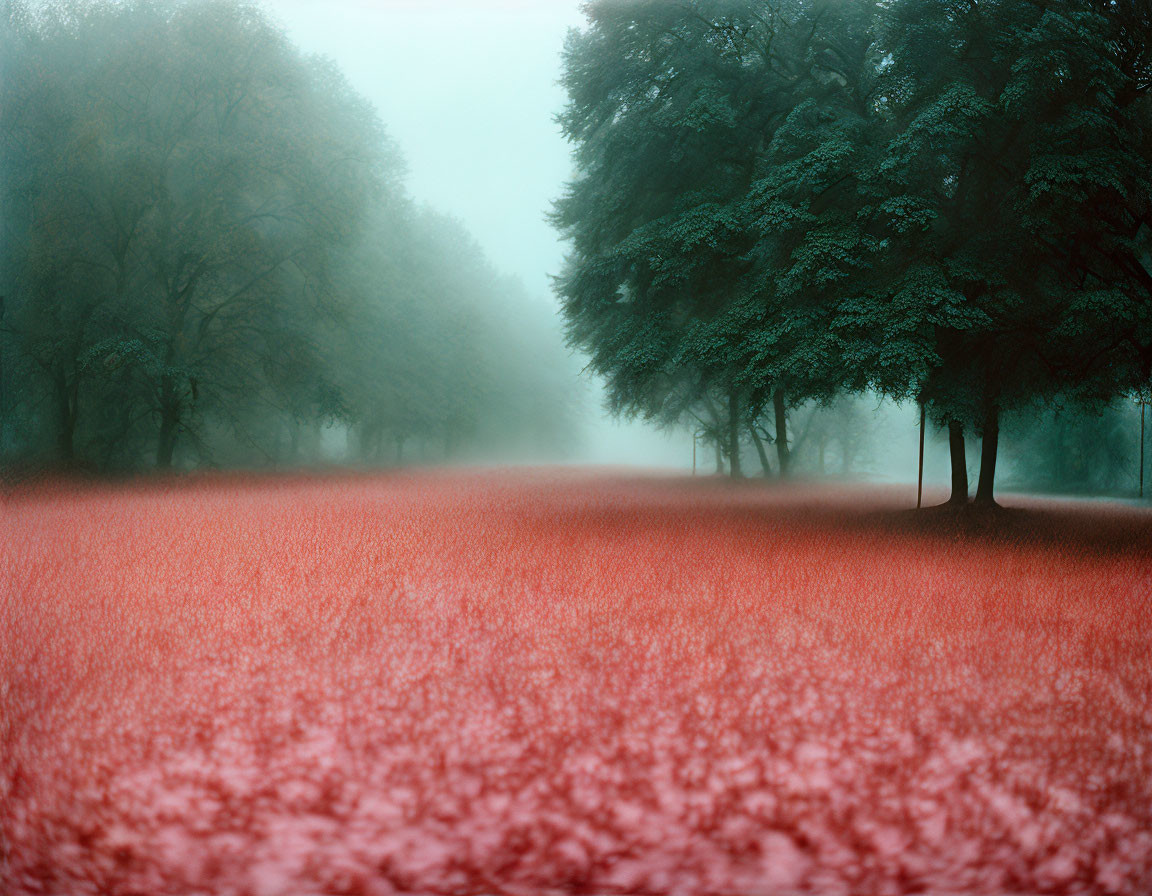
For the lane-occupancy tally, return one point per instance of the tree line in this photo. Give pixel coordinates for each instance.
(209, 257)
(786, 201)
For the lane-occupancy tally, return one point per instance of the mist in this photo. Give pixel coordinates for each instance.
(471, 92)
(451, 233)
(632, 446)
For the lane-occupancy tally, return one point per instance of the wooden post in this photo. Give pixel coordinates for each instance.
(1142, 404)
(920, 475)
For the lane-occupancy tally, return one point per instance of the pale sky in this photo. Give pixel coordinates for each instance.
(469, 92)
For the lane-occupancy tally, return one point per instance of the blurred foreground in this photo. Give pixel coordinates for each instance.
(560, 682)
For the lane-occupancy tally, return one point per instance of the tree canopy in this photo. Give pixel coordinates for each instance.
(784, 200)
(209, 256)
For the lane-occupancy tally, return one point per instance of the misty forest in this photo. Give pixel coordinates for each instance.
(780, 214)
(209, 258)
(629, 447)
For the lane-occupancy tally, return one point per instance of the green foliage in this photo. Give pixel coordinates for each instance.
(208, 252)
(939, 199)
(1069, 447)
(711, 220)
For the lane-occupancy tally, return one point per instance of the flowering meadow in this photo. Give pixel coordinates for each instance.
(559, 682)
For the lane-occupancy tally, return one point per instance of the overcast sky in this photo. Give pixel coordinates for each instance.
(469, 92)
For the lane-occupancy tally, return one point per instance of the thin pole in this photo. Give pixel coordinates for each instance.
(920, 476)
(3, 403)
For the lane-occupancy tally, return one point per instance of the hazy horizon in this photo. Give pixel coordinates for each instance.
(469, 92)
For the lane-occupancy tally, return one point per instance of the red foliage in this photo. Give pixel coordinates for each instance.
(561, 683)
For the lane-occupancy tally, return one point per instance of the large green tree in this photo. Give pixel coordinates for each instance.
(1013, 174)
(777, 200)
(713, 139)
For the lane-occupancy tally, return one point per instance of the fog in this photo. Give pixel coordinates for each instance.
(470, 92)
(402, 294)
(470, 446)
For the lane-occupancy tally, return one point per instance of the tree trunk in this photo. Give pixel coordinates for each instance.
(294, 440)
(734, 435)
(313, 439)
(66, 434)
(719, 456)
(1142, 403)
(1061, 465)
(783, 454)
(366, 442)
(166, 444)
(959, 463)
(989, 443)
(169, 418)
(759, 443)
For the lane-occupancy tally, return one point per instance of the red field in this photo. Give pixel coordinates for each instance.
(560, 683)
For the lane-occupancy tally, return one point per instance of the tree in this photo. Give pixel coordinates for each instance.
(937, 199)
(712, 141)
(210, 257)
(1012, 173)
(182, 176)
(1070, 447)
(427, 355)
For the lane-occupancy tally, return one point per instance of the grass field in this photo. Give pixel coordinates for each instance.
(567, 683)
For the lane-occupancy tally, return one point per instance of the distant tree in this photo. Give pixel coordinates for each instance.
(441, 351)
(1071, 448)
(210, 258)
(181, 176)
(836, 437)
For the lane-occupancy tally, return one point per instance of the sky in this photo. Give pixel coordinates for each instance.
(469, 91)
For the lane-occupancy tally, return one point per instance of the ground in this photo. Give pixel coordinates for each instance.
(564, 682)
